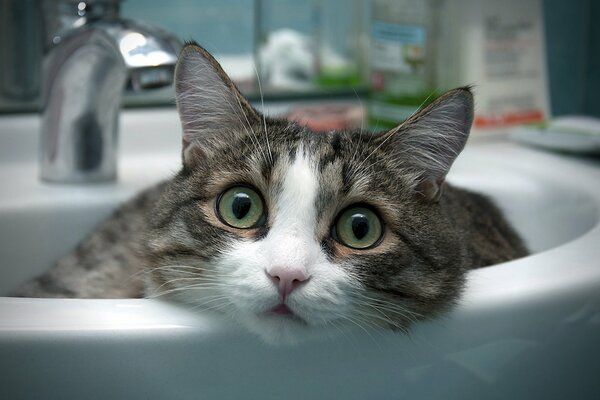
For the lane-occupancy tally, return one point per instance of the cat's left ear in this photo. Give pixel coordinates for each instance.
(209, 103)
(430, 140)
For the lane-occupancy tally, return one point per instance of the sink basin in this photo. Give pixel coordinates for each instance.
(528, 328)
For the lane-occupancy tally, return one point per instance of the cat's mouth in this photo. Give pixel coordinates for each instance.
(282, 311)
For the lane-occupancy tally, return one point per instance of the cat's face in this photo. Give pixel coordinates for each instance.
(297, 234)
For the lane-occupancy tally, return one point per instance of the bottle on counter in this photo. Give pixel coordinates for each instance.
(339, 37)
(403, 38)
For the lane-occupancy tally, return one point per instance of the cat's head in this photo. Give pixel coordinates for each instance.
(295, 233)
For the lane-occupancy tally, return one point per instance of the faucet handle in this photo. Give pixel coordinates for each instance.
(151, 77)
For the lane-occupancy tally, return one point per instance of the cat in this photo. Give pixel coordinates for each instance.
(293, 233)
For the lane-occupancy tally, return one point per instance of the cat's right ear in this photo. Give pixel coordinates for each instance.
(430, 140)
(208, 102)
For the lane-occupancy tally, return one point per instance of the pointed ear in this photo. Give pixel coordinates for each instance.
(208, 102)
(431, 139)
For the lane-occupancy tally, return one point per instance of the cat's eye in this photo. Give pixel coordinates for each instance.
(241, 207)
(358, 227)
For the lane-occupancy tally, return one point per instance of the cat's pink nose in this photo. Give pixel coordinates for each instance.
(287, 279)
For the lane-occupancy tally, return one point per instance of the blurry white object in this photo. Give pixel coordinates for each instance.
(580, 124)
(575, 134)
(287, 59)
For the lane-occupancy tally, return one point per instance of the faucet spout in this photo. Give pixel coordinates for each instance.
(84, 75)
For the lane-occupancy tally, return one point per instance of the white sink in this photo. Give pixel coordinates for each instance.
(525, 329)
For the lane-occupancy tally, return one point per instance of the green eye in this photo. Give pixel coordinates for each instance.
(358, 228)
(240, 207)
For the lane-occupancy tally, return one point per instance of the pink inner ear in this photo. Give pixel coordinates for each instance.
(189, 152)
(431, 188)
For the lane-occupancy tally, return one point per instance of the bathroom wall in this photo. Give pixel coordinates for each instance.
(573, 52)
(223, 27)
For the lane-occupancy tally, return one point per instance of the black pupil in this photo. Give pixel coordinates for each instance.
(241, 205)
(360, 226)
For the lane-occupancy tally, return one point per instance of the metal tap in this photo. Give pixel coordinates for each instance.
(91, 56)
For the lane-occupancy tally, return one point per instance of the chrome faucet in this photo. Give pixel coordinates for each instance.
(92, 55)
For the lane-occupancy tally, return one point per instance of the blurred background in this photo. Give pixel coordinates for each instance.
(527, 60)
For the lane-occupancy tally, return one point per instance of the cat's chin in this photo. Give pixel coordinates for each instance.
(284, 330)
